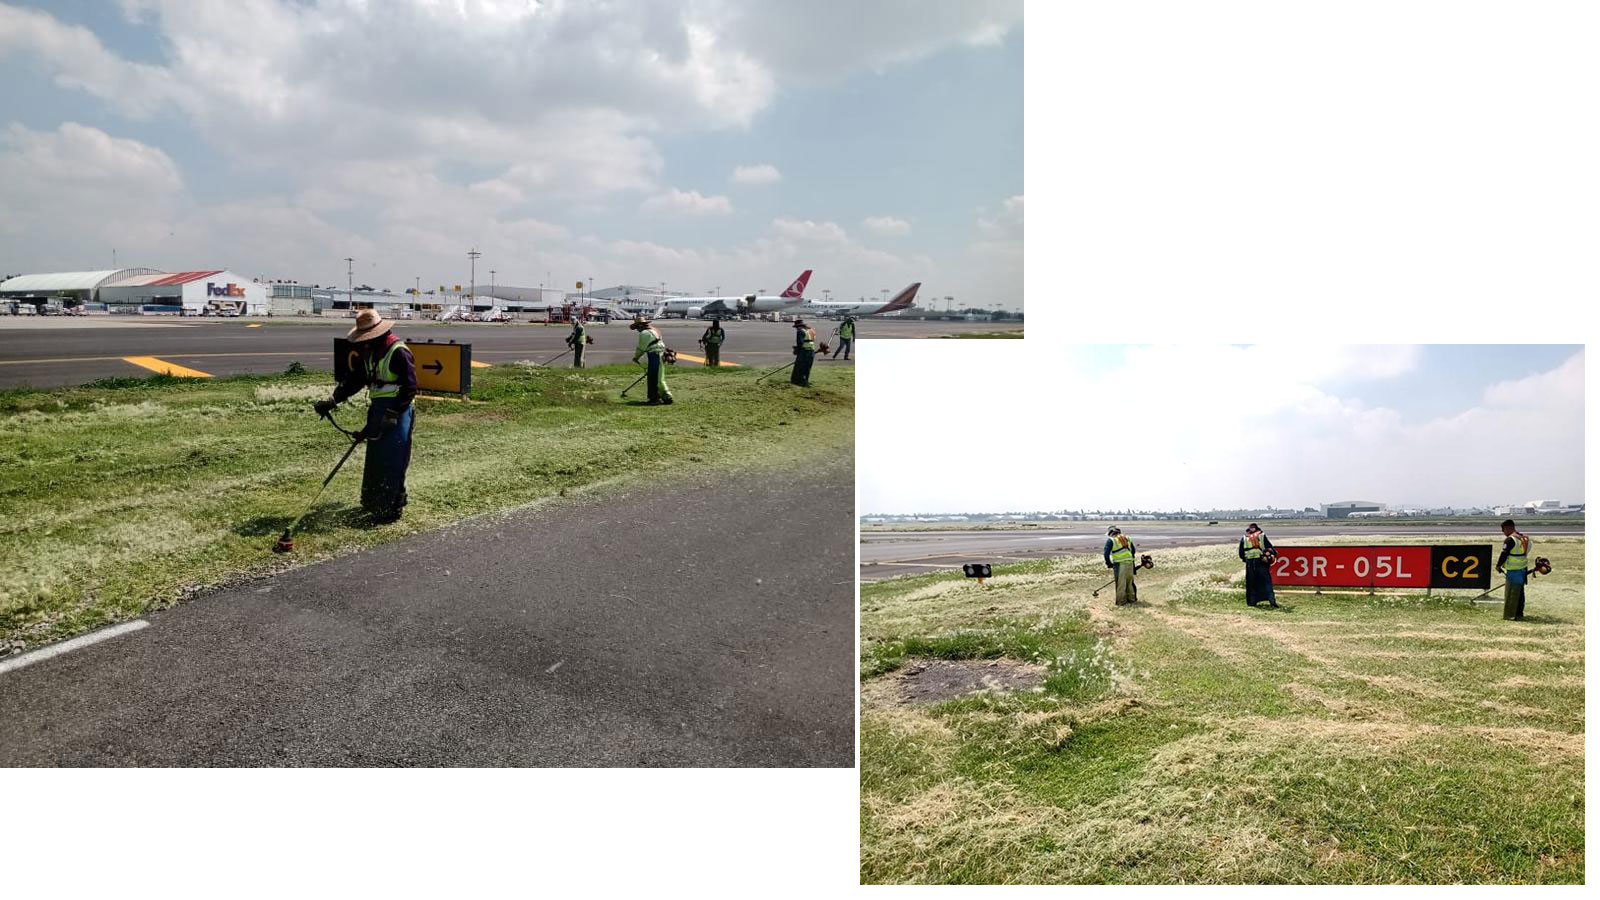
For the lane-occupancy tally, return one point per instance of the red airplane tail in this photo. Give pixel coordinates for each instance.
(902, 300)
(798, 289)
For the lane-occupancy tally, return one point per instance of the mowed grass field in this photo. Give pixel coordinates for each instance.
(1189, 738)
(133, 494)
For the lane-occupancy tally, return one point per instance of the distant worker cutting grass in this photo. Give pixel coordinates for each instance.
(712, 342)
(654, 349)
(388, 372)
(577, 340)
(1257, 553)
(1119, 555)
(847, 336)
(805, 353)
(1513, 562)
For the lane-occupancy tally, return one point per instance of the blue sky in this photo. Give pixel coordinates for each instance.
(275, 138)
(1206, 426)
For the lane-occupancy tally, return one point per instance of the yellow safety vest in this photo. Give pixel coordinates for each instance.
(1518, 558)
(1252, 549)
(1121, 549)
(380, 377)
(809, 342)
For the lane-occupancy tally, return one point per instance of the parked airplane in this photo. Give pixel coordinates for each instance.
(729, 307)
(902, 300)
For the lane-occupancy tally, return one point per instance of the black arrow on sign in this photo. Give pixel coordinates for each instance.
(437, 367)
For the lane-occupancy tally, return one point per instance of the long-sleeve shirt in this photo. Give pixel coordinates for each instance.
(403, 366)
(1266, 547)
(1131, 549)
(649, 342)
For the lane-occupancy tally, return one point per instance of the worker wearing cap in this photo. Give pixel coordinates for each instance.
(653, 348)
(1119, 555)
(576, 340)
(1257, 553)
(383, 365)
(712, 341)
(847, 336)
(805, 353)
(1514, 563)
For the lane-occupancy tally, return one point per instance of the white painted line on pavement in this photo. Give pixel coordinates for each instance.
(28, 659)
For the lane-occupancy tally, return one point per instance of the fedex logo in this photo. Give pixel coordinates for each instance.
(228, 290)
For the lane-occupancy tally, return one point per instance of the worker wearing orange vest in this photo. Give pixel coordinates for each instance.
(1257, 553)
(1514, 563)
(805, 353)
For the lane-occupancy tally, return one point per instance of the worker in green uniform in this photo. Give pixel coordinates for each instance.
(805, 353)
(712, 341)
(847, 336)
(385, 367)
(576, 340)
(1514, 563)
(1118, 554)
(653, 348)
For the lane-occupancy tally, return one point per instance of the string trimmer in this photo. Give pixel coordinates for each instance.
(1541, 566)
(1145, 562)
(285, 543)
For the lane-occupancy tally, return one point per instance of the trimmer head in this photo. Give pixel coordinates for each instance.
(285, 543)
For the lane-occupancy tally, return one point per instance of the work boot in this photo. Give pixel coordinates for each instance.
(666, 401)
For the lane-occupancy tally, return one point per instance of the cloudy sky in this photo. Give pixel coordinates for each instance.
(707, 143)
(1286, 425)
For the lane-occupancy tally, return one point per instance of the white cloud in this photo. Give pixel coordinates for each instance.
(406, 132)
(1203, 426)
(687, 203)
(763, 173)
(807, 230)
(886, 226)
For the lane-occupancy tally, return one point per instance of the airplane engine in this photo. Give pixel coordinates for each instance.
(693, 312)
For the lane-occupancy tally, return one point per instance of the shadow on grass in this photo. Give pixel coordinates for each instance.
(323, 518)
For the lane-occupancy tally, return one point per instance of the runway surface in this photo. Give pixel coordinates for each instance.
(885, 554)
(58, 351)
(707, 623)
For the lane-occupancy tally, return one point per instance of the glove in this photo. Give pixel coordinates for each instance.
(323, 407)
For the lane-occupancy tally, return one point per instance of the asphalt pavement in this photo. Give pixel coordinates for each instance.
(57, 351)
(703, 622)
(887, 553)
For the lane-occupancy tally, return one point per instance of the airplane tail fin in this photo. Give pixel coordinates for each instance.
(798, 288)
(904, 299)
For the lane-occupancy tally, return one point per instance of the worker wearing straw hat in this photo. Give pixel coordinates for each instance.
(385, 368)
(653, 348)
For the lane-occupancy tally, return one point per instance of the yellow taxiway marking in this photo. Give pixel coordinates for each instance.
(481, 365)
(702, 360)
(165, 368)
(254, 325)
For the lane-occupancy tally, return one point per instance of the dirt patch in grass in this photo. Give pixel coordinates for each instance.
(936, 680)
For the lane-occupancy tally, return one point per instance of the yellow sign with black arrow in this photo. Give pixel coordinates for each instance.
(442, 368)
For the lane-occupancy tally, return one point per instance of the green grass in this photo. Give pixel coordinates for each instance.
(131, 494)
(1344, 738)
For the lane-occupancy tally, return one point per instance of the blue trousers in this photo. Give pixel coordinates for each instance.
(383, 481)
(1258, 582)
(801, 374)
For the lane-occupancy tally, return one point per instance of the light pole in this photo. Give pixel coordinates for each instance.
(885, 293)
(350, 280)
(491, 287)
(472, 283)
(827, 294)
(663, 285)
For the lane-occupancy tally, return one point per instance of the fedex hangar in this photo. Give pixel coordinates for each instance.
(141, 290)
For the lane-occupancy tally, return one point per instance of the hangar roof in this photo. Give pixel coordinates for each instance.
(163, 278)
(69, 281)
